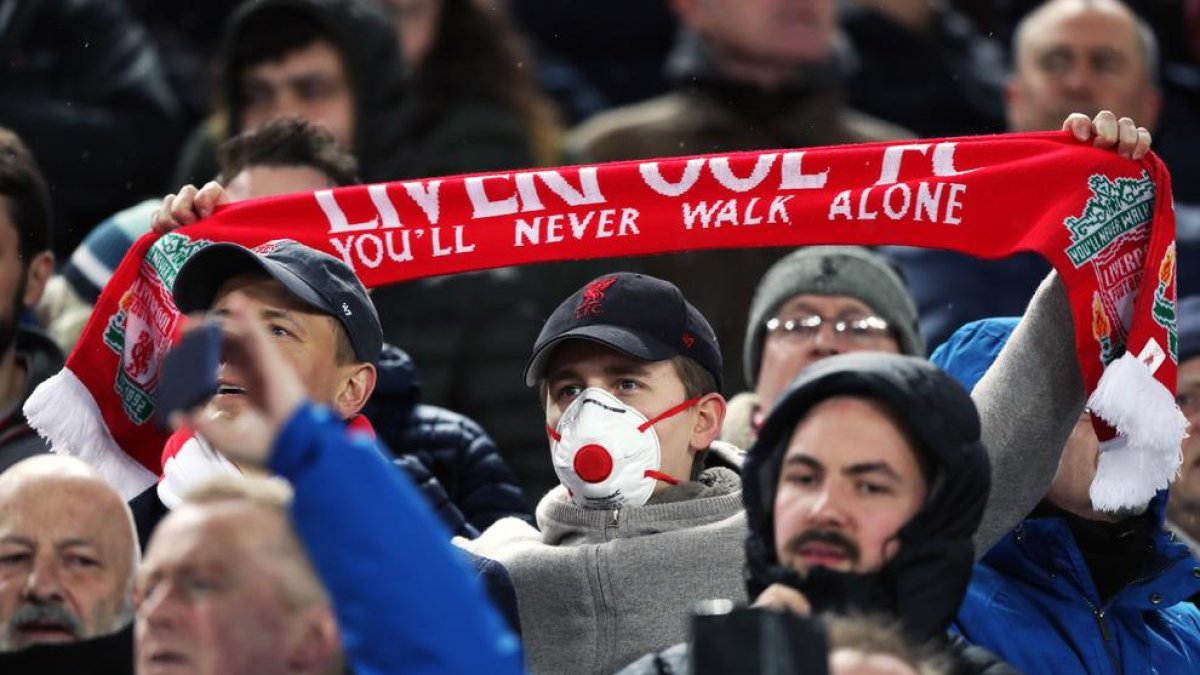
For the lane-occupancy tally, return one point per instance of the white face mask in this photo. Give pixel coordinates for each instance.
(606, 453)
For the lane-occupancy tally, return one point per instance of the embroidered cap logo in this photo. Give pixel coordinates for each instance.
(593, 296)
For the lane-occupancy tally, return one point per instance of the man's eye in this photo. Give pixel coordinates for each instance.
(801, 479)
(12, 559)
(567, 391)
(311, 90)
(1056, 62)
(200, 585)
(628, 385)
(873, 488)
(82, 561)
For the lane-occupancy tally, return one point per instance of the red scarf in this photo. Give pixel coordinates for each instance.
(1105, 223)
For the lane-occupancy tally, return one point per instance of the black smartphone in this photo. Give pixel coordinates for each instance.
(756, 641)
(189, 372)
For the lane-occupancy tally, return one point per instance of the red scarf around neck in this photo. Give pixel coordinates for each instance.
(1105, 223)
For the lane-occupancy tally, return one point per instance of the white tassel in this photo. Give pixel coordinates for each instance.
(62, 410)
(1146, 455)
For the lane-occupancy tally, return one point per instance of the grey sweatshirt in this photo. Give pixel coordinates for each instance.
(1028, 403)
(597, 589)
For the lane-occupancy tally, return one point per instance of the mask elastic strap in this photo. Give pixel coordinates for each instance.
(673, 411)
(658, 475)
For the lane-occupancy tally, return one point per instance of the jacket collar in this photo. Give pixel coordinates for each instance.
(1169, 575)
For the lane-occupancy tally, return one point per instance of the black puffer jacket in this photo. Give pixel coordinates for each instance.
(924, 582)
(456, 450)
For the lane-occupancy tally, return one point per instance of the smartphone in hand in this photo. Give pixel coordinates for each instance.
(189, 373)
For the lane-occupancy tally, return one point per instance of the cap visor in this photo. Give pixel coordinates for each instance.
(625, 340)
(203, 275)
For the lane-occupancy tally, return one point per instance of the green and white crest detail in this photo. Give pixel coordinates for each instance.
(139, 332)
(1115, 207)
(170, 252)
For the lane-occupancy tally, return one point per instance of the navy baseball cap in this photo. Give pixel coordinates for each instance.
(635, 314)
(318, 279)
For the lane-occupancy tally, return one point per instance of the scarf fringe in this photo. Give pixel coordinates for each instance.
(63, 411)
(1145, 456)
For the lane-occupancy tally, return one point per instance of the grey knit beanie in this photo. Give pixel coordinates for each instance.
(832, 270)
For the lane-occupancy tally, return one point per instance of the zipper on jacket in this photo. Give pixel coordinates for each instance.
(1105, 634)
(610, 530)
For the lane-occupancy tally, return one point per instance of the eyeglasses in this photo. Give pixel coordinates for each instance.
(865, 329)
(1188, 400)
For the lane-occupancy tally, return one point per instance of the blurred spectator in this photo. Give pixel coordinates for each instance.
(80, 81)
(924, 66)
(862, 495)
(67, 562)
(334, 63)
(474, 104)
(1068, 565)
(412, 609)
(1082, 56)
(27, 357)
(817, 302)
(1069, 56)
(226, 588)
(648, 518)
(592, 56)
(748, 75)
(1183, 509)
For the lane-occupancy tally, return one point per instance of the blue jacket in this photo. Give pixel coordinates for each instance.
(404, 597)
(1033, 603)
(458, 452)
(1032, 599)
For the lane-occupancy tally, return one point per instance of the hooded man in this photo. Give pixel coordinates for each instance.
(334, 63)
(863, 493)
(1072, 589)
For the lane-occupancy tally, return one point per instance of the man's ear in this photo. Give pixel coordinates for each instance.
(358, 384)
(709, 420)
(316, 645)
(1014, 94)
(37, 273)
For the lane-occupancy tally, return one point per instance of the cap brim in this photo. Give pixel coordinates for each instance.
(625, 340)
(202, 276)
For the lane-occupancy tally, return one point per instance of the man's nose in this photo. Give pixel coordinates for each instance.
(44, 582)
(826, 342)
(287, 104)
(1079, 80)
(157, 609)
(827, 508)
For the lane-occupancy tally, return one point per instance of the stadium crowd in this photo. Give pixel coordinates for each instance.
(855, 460)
